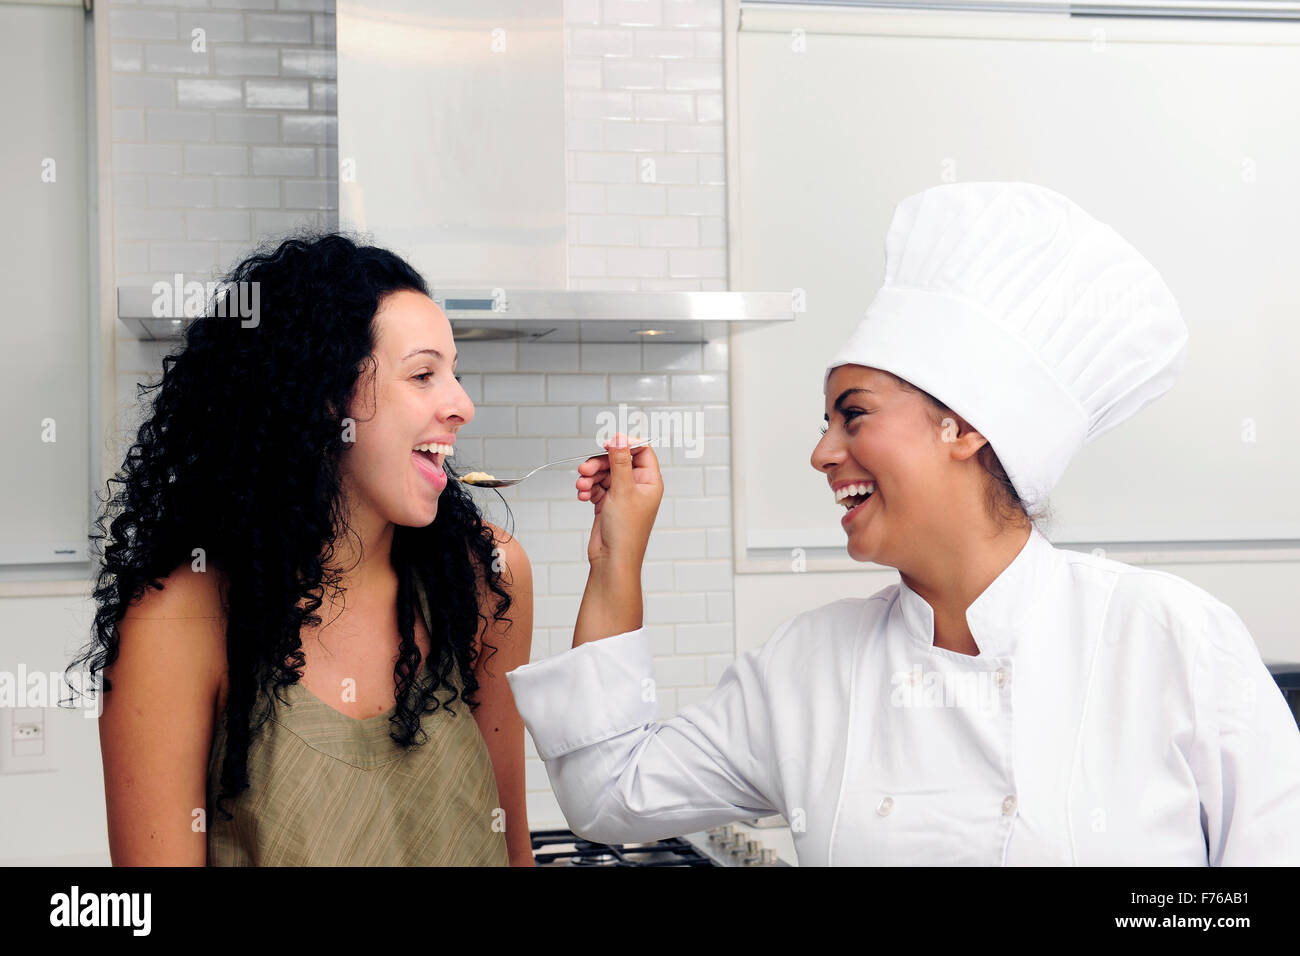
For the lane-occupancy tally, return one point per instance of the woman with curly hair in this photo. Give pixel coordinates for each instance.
(287, 458)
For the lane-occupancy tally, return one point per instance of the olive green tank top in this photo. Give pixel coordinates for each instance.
(327, 789)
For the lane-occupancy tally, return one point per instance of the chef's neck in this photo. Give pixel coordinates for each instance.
(949, 577)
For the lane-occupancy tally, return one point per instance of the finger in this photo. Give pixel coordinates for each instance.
(592, 493)
(645, 466)
(593, 474)
(620, 463)
(643, 456)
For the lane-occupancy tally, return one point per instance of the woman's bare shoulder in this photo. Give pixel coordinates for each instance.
(178, 629)
(503, 538)
(185, 594)
(510, 558)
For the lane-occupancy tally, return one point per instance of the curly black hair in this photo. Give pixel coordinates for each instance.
(240, 456)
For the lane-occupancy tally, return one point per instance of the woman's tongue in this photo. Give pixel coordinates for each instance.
(426, 461)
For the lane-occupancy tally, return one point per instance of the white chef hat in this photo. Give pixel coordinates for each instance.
(1036, 323)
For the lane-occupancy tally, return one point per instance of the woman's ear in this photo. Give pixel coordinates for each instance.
(956, 431)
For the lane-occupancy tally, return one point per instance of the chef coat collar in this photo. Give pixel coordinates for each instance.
(997, 615)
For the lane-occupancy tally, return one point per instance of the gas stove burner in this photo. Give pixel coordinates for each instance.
(565, 848)
(592, 854)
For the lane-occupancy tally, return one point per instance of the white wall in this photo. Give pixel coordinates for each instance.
(53, 816)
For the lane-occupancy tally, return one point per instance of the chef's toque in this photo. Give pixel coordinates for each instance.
(1036, 323)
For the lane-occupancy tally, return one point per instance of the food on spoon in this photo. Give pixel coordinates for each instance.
(475, 477)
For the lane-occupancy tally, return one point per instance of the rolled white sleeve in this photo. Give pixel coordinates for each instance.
(1249, 771)
(620, 775)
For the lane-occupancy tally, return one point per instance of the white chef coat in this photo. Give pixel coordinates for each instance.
(1115, 715)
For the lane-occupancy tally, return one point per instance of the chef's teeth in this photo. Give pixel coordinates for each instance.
(849, 491)
(436, 448)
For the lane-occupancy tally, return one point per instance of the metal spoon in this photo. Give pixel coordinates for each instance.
(507, 482)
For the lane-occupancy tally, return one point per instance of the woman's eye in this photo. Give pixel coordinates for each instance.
(458, 378)
(424, 375)
(823, 428)
(849, 415)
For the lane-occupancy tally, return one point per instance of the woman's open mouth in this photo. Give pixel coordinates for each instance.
(429, 465)
(862, 501)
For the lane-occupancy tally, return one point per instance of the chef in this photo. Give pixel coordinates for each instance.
(1006, 702)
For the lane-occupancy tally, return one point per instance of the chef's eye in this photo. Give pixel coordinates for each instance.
(458, 378)
(822, 428)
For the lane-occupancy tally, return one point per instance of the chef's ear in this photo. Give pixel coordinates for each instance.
(957, 432)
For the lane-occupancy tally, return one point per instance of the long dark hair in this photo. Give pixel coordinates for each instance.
(240, 456)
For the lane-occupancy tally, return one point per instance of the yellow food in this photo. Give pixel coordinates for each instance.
(474, 477)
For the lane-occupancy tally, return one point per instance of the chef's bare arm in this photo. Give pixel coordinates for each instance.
(625, 488)
(611, 603)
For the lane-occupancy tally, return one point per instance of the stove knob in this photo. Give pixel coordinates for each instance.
(767, 857)
(722, 834)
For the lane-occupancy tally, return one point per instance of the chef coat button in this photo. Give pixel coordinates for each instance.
(1008, 806)
(1001, 677)
(884, 806)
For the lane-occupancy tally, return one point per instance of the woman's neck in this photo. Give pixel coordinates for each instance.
(365, 554)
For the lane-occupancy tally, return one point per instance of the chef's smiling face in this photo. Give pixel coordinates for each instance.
(412, 397)
(876, 431)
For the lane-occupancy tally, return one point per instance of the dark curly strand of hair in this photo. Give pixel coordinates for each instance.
(240, 457)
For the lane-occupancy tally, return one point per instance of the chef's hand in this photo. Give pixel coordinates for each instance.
(626, 488)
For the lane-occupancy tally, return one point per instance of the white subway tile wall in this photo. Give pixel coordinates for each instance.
(224, 130)
(224, 133)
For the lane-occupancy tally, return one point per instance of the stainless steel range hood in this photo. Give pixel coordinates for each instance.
(453, 153)
(454, 112)
(609, 317)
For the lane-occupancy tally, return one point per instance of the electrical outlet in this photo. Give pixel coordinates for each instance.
(23, 743)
